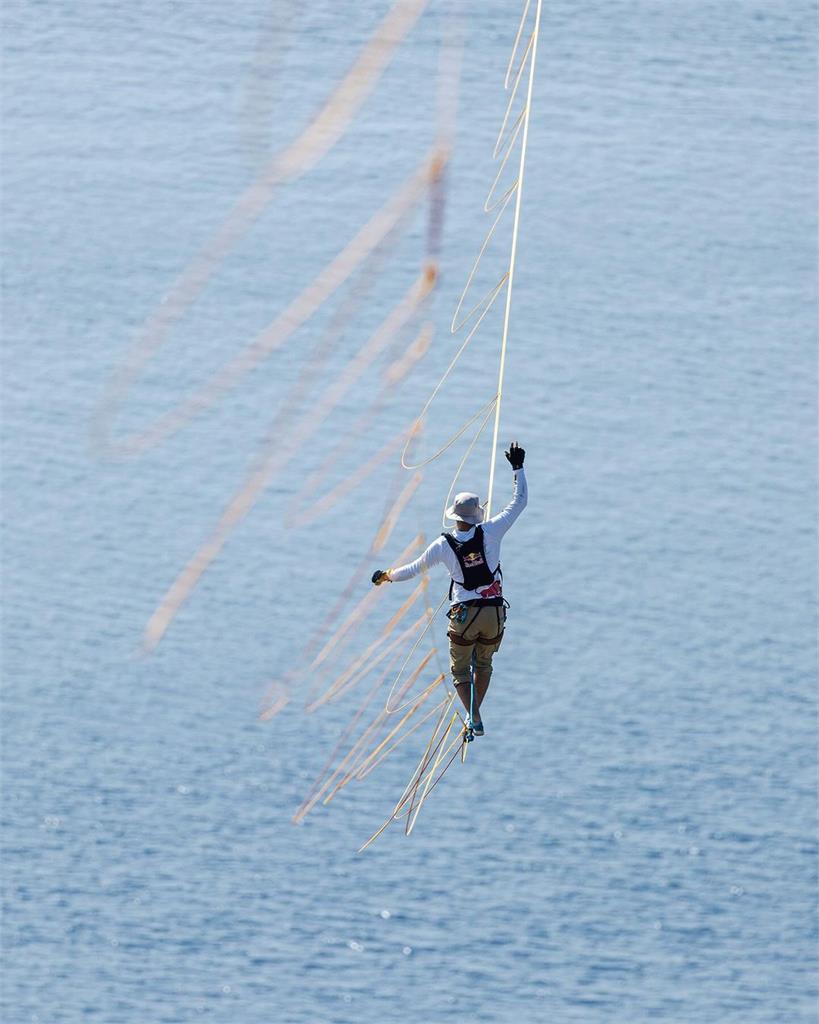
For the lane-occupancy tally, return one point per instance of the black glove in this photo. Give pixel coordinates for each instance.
(379, 577)
(515, 455)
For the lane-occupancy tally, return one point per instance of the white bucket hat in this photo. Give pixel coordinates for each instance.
(467, 508)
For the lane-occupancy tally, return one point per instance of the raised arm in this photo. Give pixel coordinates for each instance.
(432, 556)
(499, 524)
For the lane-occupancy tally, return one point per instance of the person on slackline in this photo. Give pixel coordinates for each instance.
(477, 613)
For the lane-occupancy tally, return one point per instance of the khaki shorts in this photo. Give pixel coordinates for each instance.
(478, 637)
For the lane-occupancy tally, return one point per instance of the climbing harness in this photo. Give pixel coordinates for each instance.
(460, 613)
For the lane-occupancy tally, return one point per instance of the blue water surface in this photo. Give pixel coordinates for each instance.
(635, 838)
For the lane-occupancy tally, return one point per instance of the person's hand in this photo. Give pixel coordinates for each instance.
(380, 576)
(515, 455)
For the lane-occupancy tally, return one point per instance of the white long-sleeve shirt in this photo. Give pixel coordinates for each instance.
(440, 553)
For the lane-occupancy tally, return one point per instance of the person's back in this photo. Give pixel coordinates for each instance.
(477, 613)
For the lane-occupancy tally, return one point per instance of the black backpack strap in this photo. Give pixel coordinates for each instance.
(451, 541)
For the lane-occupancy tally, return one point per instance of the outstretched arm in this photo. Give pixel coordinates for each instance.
(432, 556)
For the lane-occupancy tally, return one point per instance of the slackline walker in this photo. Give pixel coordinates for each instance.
(477, 608)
